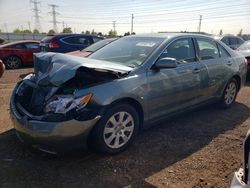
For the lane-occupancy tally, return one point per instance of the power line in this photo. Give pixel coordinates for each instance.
(36, 14)
(54, 13)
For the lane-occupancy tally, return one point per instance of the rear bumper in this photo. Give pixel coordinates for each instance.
(51, 136)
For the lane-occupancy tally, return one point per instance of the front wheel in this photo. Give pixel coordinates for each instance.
(13, 62)
(229, 94)
(117, 129)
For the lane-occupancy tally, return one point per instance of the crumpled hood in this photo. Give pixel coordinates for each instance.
(56, 68)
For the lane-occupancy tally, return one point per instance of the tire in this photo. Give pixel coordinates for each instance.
(229, 94)
(113, 134)
(13, 62)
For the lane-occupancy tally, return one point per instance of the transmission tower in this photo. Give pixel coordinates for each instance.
(36, 14)
(54, 13)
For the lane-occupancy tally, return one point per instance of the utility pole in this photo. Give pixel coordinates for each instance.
(114, 22)
(54, 14)
(36, 14)
(132, 24)
(29, 25)
(6, 27)
(63, 24)
(199, 28)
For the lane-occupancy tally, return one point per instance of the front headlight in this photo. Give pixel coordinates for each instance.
(63, 103)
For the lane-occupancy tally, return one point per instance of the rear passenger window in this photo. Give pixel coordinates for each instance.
(83, 40)
(71, 40)
(182, 50)
(223, 51)
(207, 49)
(239, 41)
(225, 40)
(77, 40)
(96, 39)
(232, 40)
(32, 45)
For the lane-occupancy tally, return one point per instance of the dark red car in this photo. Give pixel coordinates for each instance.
(17, 54)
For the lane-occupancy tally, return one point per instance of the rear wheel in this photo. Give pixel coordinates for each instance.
(229, 94)
(117, 129)
(13, 62)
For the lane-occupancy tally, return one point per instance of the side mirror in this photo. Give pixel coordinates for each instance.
(166, 62)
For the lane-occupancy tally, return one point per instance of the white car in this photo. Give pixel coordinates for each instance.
(241, 178)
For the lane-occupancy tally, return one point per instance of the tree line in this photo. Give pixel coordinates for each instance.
(111, 33)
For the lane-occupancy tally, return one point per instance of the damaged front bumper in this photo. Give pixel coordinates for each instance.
(50, 137)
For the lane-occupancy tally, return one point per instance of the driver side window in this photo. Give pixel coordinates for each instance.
(182, 50)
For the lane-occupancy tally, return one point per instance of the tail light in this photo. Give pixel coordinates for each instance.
(53, 44)
(245, 61)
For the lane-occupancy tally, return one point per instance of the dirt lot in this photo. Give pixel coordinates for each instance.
(198, 149)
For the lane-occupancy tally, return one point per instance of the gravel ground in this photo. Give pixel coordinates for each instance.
(197, 149)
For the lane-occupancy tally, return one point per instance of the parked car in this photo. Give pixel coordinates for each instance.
(241, 178)
(128, 85)
(92, 48)
(232, 41)
(244, 49)
(1, 40)
(17, 54)
(2, 68)
(64, 43)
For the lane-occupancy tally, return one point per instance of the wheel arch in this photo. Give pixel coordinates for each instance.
(136, 105)
(238, 79)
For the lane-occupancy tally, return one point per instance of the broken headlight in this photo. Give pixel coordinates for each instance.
(63, 103)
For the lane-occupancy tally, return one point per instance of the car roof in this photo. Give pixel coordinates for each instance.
(73, 34)
(170, 35)
(20, 42)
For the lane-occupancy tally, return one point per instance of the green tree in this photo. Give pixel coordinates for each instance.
(67, 30)
(35, 31)
(17, 30)
(87, 32)
(93, 32)
(100, 34)
(51, 32)
(27, 31)
(127, 33)
(112, 33)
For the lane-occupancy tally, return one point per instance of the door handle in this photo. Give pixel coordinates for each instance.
(195, 71)
(229, 63)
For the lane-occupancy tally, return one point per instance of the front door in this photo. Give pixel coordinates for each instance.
(173, 89)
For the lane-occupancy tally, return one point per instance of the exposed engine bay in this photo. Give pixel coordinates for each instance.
(45, 100)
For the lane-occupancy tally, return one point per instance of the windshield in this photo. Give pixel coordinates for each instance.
(98, 45)
(245, 46)
(129, 51)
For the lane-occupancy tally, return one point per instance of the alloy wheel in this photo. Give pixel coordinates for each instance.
(13, 62)
(118, 129)
(230, 93)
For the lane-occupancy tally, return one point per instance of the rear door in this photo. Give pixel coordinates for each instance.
(31, 48)
(73, 43)
(173, 89)
(215, 62)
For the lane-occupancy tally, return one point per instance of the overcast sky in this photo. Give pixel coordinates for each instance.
(150, 16)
